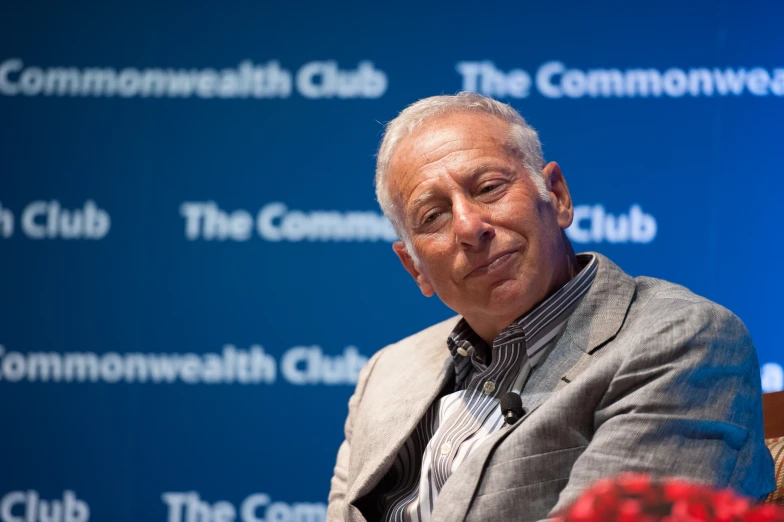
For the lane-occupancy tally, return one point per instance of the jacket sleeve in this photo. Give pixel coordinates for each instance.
(340, 484)
(685, 402)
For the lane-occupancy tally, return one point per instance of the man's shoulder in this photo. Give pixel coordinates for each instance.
(423, 352)
(652, 288)
(671, 317)
(655, 307)
(654, 297)
(658, 297)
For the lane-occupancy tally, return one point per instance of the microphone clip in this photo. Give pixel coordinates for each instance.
(511, 407)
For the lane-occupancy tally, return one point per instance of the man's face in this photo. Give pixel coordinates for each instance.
(484, 240)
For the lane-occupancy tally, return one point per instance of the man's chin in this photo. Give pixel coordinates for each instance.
(492, 299)
(503, 293)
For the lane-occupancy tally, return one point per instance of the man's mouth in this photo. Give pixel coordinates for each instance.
(497, 261)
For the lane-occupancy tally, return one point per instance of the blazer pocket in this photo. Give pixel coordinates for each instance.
(529, 470)
(525, 504)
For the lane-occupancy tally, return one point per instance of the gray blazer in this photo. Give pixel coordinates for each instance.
(646, 377)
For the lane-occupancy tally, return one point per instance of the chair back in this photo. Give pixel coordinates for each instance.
(773, 421)
(773, 414)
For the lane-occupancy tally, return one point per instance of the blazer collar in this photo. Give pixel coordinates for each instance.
(602, 311)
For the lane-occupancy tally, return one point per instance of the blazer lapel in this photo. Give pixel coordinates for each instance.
(599, 316)
(603, 310)
(413, 378)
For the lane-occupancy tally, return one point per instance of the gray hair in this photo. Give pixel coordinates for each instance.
(522, 138)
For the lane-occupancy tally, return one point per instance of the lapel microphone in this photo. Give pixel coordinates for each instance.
(511, 407)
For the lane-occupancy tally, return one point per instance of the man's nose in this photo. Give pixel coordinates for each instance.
(471, 224)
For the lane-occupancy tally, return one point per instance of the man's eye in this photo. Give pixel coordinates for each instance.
(430, 218)
(488, 188)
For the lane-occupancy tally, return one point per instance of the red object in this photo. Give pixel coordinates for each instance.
(638, 498)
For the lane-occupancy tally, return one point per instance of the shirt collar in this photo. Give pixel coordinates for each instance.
(534, 329)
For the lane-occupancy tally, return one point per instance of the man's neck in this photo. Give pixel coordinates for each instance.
(570, 268)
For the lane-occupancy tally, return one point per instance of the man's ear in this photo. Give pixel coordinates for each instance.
(408, 263)
(559, 194)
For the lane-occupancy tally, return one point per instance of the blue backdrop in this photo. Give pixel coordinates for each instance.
(193, 264)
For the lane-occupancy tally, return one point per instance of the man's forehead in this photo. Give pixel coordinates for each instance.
(436, 136)
(460, 141)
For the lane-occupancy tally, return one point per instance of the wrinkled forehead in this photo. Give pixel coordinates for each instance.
(438, 139)
(430, 138)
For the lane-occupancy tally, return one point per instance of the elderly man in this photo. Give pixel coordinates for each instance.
(615, 373)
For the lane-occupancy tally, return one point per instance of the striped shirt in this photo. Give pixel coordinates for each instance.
(459, 422)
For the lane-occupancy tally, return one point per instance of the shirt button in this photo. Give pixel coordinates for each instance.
(446, 448)
(489, 387)
(462, 351)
